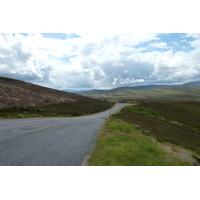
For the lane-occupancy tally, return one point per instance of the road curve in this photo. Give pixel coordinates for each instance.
(50, 141)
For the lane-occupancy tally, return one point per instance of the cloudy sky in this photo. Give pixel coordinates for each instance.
(101, 61)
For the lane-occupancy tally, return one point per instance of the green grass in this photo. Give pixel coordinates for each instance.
(162, 94)
(121, 144)
(178, 125)
(175, 122)
(142, 111)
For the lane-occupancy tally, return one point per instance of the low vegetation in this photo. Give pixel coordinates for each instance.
(161, 94)
(122, 144)
(150, 133)
(161, 127)
(142, 111)
(84, 106)
(19, 93)
(178, 124)
(20, 99)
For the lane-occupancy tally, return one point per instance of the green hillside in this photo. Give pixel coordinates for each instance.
(161, 94)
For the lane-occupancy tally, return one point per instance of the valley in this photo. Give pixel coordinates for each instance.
(162, 94)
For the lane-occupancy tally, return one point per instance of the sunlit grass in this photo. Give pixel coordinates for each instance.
(142, 111)
(121, 144)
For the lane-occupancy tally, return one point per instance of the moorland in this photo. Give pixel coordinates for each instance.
(19, 99)
(158, 119)
(159, 127)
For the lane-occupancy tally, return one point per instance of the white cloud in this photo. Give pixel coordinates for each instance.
(194, 35)
(183, 40)
(95, 60)
(159, 45)
(117, 64)
(114, 82)
(96, 73)
(195, 43)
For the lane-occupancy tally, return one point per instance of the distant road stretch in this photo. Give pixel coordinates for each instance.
(50, 141)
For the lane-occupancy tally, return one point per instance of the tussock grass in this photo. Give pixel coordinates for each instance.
(142, 111)
(121, 144)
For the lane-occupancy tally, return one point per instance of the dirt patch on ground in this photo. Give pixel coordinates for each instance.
(85, 161)
(181, 153)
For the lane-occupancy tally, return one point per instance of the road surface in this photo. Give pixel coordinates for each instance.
(50, 141)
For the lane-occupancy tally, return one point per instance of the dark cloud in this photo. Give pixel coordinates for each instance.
(47, 73)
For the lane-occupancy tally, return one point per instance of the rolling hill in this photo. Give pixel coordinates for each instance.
(21, 99)
(137, 88)
(19, 93)
(192, 84)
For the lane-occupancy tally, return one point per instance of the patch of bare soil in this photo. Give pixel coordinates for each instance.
(181, 153)
(85, 161)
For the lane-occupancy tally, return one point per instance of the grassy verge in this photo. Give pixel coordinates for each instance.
(174, 122)
(121, 144)
(150, 133)
(84, 106)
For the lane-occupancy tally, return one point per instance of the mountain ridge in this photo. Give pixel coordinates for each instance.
(140, 87)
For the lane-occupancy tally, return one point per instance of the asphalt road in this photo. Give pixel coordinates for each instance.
(50, 141)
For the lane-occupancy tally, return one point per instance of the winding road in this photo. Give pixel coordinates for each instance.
(50, 141)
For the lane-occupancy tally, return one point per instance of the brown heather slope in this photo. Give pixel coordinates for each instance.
(18, 93)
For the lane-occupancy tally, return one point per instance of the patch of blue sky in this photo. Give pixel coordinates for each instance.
(170, 37)
(146, 47)
(61, 36)
(142, 45)
(72, 35)
(67, 58)
(24, 34)
(175, 41)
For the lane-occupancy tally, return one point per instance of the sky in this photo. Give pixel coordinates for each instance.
(79, 61)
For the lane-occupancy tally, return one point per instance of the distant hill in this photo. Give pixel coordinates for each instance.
(74, 91)
(142, 87)
(138, 88)
(192, 84)
(19, 93)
